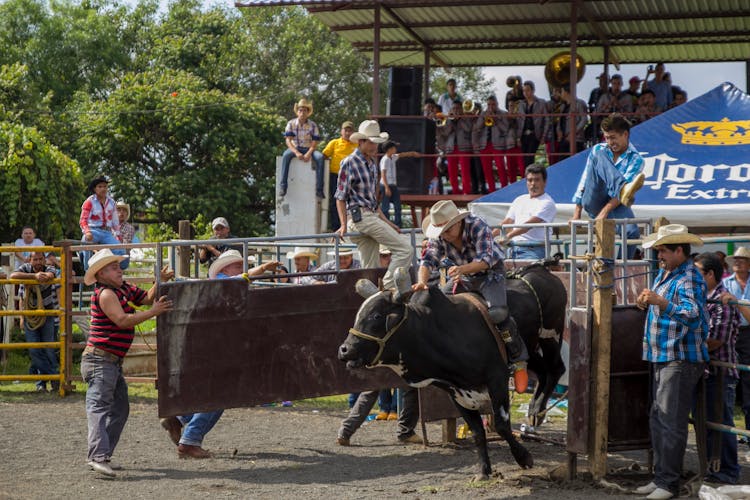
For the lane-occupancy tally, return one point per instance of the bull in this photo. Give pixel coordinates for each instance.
(428, 337)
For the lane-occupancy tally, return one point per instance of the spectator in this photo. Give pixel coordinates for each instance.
(555, 106)
(356, 195)
(385, 256)
(407, 418)
(723, 258)
(592, 130)
(40, 328)
(659, 85)
(455, 139)
(388, 180)
(336, 150)
(28, 239)
(430, 108)
(346, 261)
(209, 253)
(634, 84)
(723, 326)
(99, 222)
(302, 137)
(674, 343)
(531, 129)
(611, 177)
(113, 319)
(534, 207)
(615, 100)
(646, 107)
(598, 92)
(579, 124)
(446, 100)
(302, 258)
(127, 231)
(680, 98)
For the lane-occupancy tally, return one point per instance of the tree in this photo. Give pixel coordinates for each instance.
(470, 83)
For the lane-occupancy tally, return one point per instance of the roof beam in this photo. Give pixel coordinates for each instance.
(597, 28)
(414, 35)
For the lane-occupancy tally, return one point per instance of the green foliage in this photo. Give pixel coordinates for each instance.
(470, 84)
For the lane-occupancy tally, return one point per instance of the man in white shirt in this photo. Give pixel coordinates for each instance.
(535, 207)
(28, 239)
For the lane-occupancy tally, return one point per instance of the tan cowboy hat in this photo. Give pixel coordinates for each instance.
(303, 103)
(101, 259)
(301, 252)
(343, 252)
(383, 250)
(226, 258)
(741, 252)
(671, 234)
(426, 221)
(122, 204)
(370, 130)
(443, 215)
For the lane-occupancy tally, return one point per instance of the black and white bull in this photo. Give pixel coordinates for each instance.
(430, 338)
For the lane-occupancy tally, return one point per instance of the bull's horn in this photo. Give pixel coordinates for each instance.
(403, 285)
(366, 288)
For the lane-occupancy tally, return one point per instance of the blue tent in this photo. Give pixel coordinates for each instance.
(697, 166)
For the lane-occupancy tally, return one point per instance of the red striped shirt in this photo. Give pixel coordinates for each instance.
(104, 333)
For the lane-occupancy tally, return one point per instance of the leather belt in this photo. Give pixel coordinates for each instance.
(104, 354)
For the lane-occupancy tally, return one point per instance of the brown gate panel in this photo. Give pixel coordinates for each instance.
(227, 344)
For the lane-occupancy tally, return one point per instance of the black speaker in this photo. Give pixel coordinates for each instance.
(405, 91)
(413, 134)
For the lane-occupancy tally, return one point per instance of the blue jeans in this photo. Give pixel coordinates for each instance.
(43, 361)
(528, 253)
(730, 469)
(103, 237)
(388, 400)
(318, 161)
(107, 406)
(197, 425)
(386, 201)
(603, 183)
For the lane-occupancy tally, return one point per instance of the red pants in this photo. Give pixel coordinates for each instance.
(516, 167)
(489, 153)
(454, 158)
(552, 148)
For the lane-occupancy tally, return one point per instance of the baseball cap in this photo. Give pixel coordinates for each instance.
(348, 124)
(219, 221)
(634, 79)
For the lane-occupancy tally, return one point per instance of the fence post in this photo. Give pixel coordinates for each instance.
(183, 252)
(66, 332)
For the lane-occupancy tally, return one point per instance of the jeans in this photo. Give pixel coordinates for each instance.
(197, 425)
(388, 400)
(407, 417)
(107, 406)
(317, 159)
(526, 253)
(386, 201)
(730, 469)
(43, 361)
(674, 390)
(102, 237)
(333, 215)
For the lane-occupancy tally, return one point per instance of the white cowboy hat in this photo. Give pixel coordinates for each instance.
(302, 252)
(229, 257)
(426, 221)
(443, 215)
(383, 250)
(304, 103)
(122, 204)
(671, 234)
(741, 252)
(101, 259)
(370, 130)
(343, 252)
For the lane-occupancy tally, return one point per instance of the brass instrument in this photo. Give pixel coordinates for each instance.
(557, 69)
(489, 121)
(440, 120)
(468, 106)
(513, 81)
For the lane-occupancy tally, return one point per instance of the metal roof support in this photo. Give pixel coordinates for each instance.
(426, 75)
(375, 109)
(413, 34)
(606, 60)
(574, 5)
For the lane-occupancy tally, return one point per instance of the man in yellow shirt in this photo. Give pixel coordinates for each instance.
(335, 151)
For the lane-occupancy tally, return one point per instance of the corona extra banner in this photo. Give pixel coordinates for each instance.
(697, 166)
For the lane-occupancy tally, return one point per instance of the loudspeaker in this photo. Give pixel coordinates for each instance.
(405, 91)
(412, 134)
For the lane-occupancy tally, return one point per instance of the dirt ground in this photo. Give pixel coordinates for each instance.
(270, 453)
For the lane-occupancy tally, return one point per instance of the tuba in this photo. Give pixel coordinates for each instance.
(489, 121)
(557, 69)
(513, 81)
(468, 106)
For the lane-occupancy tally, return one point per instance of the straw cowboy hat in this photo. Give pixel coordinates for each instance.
(122, 204)
(384, 250)
(101, 259)
(226, 258)
(304, 103)
(443, 215)
(370, 130)
(301, 252)
(343, 252)
(741, 252)
(426, 221)
(671, 234)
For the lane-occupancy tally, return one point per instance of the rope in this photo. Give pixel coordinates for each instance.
(32, 299)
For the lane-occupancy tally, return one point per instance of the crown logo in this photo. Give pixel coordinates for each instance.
(721, 133)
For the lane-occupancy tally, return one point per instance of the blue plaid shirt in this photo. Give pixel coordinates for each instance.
(630, 163)
(478, 245)
(679, 332)
(358, 180)
(733, 286)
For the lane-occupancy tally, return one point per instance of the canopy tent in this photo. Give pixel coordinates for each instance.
(697, 166)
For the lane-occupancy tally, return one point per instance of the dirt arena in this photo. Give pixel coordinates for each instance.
(269, 453)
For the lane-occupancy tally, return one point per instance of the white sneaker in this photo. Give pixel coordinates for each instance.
(660, 494)
(646, 490)
(102, 468)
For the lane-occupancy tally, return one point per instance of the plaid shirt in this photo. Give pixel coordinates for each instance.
(478, 245)
(723, 325)
(678, 332)
(302, 135)
(630, 163)
(358, 181)
(733, 286)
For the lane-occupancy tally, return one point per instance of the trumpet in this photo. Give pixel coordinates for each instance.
(489, 121)
(440, 120)
(468, 106)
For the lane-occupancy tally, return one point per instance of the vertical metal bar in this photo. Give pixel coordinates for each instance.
(573, 74)
(426, 76)
(375, 109)
(64, 300)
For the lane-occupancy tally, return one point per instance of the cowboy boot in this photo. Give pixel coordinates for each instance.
(517, 354)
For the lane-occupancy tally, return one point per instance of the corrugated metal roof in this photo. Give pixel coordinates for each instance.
(521, 32)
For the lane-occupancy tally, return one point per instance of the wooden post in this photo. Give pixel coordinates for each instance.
(183, 253)
(601, 341)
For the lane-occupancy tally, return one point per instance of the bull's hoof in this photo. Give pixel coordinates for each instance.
(527, 462)
(480, 477)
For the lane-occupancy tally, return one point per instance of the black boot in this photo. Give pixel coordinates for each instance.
(513, 342)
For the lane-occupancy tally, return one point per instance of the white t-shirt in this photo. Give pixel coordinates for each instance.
(525, 207)
(388, 165)
(20, 243)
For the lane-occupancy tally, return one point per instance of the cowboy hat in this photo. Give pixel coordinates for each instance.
(219, 221)
(303, 103)
(101, 259)
(301, 252)
(383, 250)
(369, 130)
(741, 252)
(671, 234)
(443, 215)
(229, 257)
(122, 204)
(426, 221)
(96, 181)
(343, 252)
